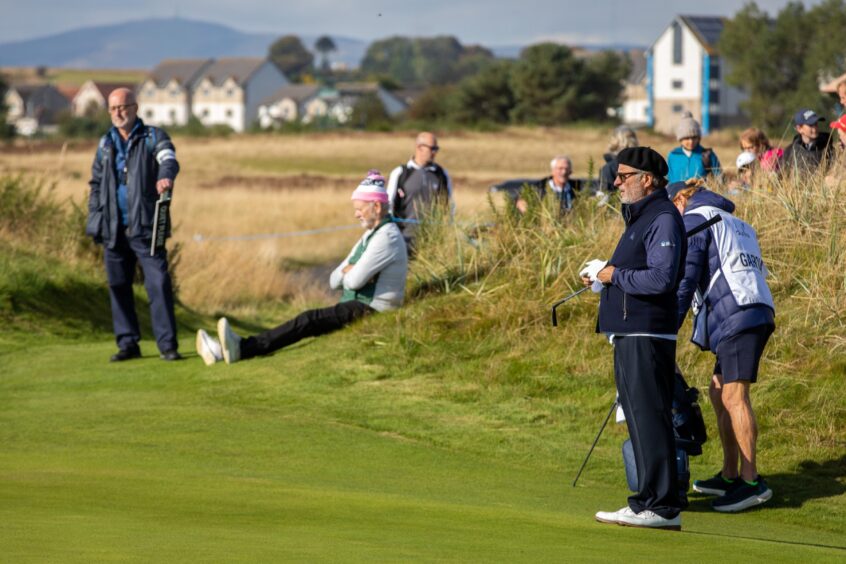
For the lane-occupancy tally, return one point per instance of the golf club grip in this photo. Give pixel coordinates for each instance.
(703, 226)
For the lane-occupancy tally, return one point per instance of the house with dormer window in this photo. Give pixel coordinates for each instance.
(165, 96)
(230, 90)
(684, 72)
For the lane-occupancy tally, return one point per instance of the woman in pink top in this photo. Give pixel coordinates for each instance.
(755, 141)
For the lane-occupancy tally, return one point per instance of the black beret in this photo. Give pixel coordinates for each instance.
(645, 159)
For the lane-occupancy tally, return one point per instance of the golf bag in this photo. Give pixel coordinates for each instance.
(689, 431)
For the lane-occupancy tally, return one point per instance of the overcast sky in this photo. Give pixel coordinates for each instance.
(489, 23)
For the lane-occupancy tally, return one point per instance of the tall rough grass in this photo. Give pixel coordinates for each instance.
(498, 282)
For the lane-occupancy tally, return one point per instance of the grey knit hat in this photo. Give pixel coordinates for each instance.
(688, 127)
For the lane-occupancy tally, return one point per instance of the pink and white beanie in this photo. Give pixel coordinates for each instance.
(372, 188)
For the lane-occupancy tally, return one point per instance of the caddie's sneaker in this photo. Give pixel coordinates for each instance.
(743, 495)
(229, 341)
(208, 348)
(713, 486)
(613, 517)
(649, 520)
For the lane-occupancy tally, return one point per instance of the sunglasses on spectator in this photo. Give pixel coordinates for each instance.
(433, 148)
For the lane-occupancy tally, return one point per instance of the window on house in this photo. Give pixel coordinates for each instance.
(678, 84)
(714, 70)
(148, 114)
(172, 115)
(678, 108)
(230, 92)
(205, 112)
(174, 92)
(229, 113)
(205, 91)
(677, 43)
(715, 122)
(151, 92)
(714, 96)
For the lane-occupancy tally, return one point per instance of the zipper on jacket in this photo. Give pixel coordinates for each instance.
(625, 310)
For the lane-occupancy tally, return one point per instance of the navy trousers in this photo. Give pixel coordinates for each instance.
(120, 271)
(644, 368)
(310, 323)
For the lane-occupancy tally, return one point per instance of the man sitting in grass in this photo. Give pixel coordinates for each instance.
(372, 278)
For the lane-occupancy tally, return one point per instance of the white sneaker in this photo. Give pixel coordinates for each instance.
(208, 348)
(229, 341)
(650, 520)
(613, 517)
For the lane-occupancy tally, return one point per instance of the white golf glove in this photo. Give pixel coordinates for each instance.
(590, 271)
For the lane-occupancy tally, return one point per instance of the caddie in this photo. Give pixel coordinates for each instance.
(724, 279)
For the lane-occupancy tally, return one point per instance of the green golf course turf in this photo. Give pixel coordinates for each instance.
(154, 461)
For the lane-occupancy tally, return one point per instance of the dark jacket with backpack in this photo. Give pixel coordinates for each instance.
(648, 265)
(807, 158)
(150, 157)
(416, 190)
(725, 318)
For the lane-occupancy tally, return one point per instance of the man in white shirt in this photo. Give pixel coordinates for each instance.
(372, 278)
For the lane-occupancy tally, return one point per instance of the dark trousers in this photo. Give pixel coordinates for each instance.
(120, 271)
(309, 323)
(643, 371)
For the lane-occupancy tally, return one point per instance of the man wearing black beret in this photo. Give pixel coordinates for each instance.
(638, 312)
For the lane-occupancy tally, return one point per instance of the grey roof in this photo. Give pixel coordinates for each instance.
(184, 71)
(296, 92)
(707, 29)
(41, 101)
(238, 68)
(638, 72)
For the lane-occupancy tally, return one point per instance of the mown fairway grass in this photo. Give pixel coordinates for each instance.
(304, 456)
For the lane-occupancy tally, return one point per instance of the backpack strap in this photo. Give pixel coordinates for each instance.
(706, 159)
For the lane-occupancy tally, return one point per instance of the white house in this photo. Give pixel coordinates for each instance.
(286, 104)
(338, 102)
(164, 97)
(94, 95)
(32, 108)
(230, 90)
(684, 72)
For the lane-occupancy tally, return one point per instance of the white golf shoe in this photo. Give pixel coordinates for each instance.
(230, 342)
(208, 348)
(649, 520)
(613, 517)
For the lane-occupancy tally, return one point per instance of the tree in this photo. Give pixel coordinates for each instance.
(485, 97)
(324, 45)
(369, 113)
(424, 61)
(779, 62)
(7, 131)
(292, 58)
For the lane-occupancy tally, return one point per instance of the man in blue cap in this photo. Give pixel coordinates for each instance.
(809, 149)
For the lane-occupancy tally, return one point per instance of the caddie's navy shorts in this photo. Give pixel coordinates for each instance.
(738, 356)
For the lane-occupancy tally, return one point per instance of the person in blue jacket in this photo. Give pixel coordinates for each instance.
(724, 278)
(134, 164)
(690, 159)
(638, 314)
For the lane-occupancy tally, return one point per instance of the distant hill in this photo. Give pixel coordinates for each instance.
(142, 44)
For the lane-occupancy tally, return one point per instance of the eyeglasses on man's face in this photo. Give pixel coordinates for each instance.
(433, 148)
(623, 176)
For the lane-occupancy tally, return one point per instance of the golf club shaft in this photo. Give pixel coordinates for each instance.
(596, 440)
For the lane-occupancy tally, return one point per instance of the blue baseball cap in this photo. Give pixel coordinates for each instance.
(807, 117)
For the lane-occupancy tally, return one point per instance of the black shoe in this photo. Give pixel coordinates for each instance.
(126, 354)
(714, 486)
(170, 355)
(743, 495)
